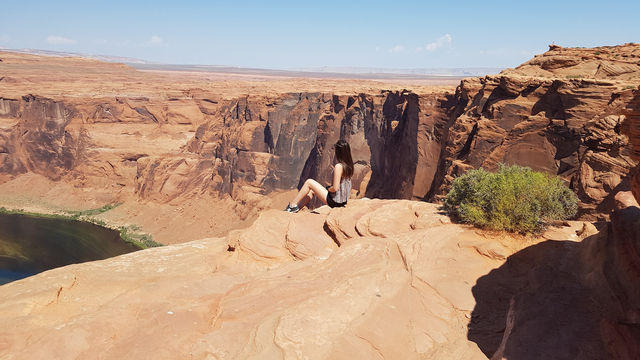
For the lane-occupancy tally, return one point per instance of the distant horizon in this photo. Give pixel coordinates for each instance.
(294, 35)
(353, 70)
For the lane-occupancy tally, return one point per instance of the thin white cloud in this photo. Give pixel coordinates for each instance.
(444, 40)
(59, 40)
(396, 49)
(377, 48)
(156, 40)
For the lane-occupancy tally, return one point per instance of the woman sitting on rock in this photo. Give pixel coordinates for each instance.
(335, 195)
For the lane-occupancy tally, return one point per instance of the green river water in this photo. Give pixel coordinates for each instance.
(29, 245)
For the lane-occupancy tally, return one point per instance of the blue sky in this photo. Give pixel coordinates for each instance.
(299, 34)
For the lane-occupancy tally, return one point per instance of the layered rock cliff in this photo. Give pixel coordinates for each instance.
(276, 144)
(631, 128)
(39, 141)
(173, 144)
(194, 144)
(561, 113)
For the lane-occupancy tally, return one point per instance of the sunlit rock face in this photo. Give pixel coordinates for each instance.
(377, 279)
(395, 141)
(131, 136)
(560, 112)
(78, 133)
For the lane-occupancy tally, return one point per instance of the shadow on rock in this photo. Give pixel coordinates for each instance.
(552, 315)
(564, 299)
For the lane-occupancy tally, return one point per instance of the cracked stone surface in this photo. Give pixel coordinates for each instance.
(398, 286)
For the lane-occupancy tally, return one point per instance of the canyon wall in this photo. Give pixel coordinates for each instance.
(561, 112)
(275, 144)
(631, 128)
(566, 128)
(404, 145)
(39, 141)
(244, 148)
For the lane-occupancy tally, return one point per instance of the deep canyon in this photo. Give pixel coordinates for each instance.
(111, 134)
(206, 157)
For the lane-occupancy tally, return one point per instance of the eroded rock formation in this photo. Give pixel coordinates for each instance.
(632, 130)
(558, 113)
(40, 142)
(275, 144)
(398, 286)
(380, 279)
(561, 113)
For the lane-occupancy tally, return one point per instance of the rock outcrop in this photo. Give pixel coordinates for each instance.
(556, 113)
(603, 62)
(631, 128)
(377, 279)
(40, 142)
(276, 144)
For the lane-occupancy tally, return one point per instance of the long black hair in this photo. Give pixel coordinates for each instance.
(343, 156)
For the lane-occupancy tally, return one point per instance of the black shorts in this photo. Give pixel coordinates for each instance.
(332, 203)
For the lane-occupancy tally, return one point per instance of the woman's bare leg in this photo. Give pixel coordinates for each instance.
(310, 185)
(306, 200)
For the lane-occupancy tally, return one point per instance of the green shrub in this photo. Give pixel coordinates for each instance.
(514, 198)
(132, 235)
(77, 214)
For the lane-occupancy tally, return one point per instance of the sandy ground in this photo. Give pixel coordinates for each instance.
(75, 77)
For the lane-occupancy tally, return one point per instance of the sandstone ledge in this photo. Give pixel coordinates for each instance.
(399, 286)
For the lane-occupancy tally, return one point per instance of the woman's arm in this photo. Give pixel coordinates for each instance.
(337, 176)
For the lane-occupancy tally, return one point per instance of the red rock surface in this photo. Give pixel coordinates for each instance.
(404, 283)
(631, 128)
(620, 257)
(167, 143)
(193, 156)
(603, 62)
(560, 113)
(175, 148)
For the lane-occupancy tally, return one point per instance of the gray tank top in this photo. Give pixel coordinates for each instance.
(342, 195)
